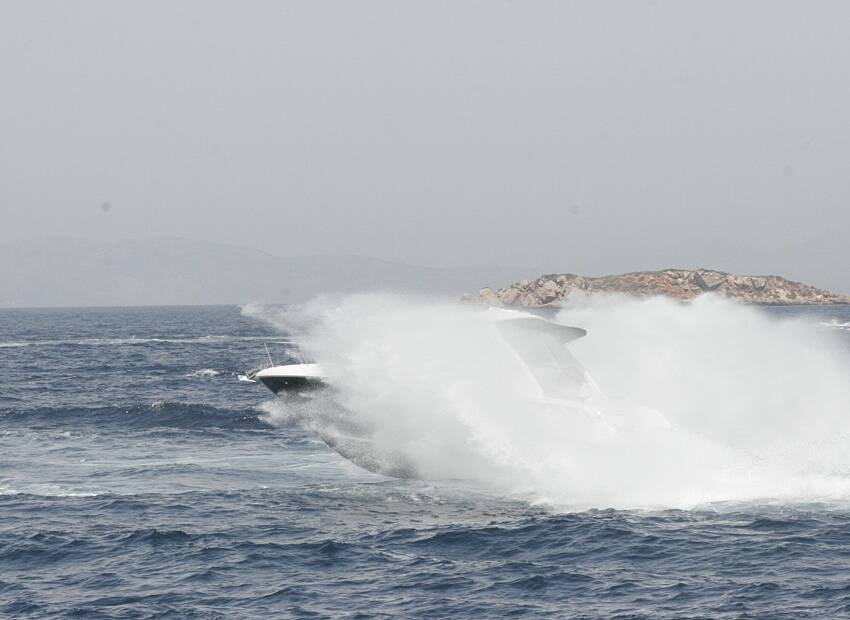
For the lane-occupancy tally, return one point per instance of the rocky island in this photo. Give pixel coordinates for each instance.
(682, 284)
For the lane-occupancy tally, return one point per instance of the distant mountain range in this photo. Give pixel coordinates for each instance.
(74, 272)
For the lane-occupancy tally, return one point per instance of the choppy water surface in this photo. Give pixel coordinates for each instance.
(139, 479)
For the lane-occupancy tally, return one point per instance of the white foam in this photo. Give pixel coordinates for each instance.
(45, 490)
(204, 373)
(710, 401)
(273, 412)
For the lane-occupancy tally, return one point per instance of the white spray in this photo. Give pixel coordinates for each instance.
(701, 402)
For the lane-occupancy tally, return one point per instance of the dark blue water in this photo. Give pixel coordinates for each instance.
(139, 479)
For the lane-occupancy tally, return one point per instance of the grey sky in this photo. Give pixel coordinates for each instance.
(590, 137)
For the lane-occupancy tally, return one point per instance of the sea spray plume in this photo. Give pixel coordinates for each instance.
(440, 393)
(393, 363)
(774, 392)
(723, 370)
(439, 390)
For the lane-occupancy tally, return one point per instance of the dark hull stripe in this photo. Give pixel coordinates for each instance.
(292, 384)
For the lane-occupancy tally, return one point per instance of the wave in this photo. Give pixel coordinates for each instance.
(95, 342)
(156, 537)
(705, 402)
(142, 416)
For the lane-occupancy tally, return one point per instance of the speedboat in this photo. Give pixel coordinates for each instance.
(288, 378)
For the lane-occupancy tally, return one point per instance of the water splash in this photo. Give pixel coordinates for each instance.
(702, 402)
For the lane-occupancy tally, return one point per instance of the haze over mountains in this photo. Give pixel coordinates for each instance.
(75, 272)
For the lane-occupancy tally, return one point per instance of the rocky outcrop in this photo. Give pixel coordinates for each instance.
(682, 284)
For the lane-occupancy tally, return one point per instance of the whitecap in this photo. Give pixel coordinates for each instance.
(204, 373)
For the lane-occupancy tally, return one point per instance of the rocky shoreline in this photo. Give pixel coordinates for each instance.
(681, 284)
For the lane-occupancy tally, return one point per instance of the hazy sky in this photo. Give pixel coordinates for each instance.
(590, 137)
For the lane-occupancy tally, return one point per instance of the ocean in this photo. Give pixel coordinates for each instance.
(140, 479)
